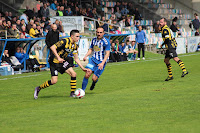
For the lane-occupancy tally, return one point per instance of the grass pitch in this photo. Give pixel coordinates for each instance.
(130, 97)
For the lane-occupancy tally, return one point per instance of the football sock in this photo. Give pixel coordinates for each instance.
(169, 68)
(181, 64)
(84, 83)
(73, 84)
(45, 84)
(93, 85)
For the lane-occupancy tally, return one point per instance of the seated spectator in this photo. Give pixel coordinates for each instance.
(60, 11)
(137, 25)
(197, 32)
(18, 23)
(124, 11)
(23, 31)
(20, 54)
(9, 24)
(123, 50)
(131, 51)
(54, 5)
(16, 65)
(68, 12)
(114, 56)
(30, 24)
(13, 32)
(2, 33)
(40, 30)
(77, 12)
(34, 32)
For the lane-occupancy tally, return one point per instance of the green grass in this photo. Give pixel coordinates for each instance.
(130, 97)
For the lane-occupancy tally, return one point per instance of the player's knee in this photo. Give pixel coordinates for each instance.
(95, 78)
(54, 81)
(88, 74)
(73, 74)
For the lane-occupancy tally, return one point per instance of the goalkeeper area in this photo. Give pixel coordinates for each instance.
(129, 97)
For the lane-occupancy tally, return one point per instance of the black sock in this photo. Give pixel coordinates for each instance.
(93, 85)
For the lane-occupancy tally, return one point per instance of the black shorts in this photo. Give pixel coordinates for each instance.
(60, 67)
(171, 53)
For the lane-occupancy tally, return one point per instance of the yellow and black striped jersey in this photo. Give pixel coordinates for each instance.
(64, 48)
(168, 37)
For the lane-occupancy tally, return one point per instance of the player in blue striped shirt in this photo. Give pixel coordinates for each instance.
(100, 47)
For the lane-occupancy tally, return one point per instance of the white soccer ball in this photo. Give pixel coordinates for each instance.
(79, 93)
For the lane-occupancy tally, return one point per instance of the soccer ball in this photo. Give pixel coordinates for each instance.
(79, 93)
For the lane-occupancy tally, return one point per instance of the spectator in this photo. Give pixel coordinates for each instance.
(13, 32)
(9, 24)
(124, 11)
(122, 23)
(137, 25)
(77, 12)
(113, 53)
(44, 11)
(60, 11)
(196, 23)
(98, 7)
(23, 31)
(30, 24)
(40, 30)
(7, 17)
(128, 22)
(48, 25)
(29, 12)
(118, 14)
(137, 14)
(197, 32)
(18, 23)
(23, 22)
(2, 33)
(157, 27)
(34, 32)
(123, 49)
(89, 12)
(24, 17)
(132, 52)
(52, 36)
(68, 12)
(140, 38)
(54, 5)
(173, 27)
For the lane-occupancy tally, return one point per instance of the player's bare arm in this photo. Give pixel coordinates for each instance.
(79, 62)
(88, 53)
(53, 49)
(104, 60)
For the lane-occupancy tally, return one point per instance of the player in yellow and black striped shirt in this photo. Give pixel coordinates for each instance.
(60, 61)
(170, 44)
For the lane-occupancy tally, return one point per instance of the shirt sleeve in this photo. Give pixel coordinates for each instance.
(61, 43)
(165, 33)
(92, 44)
(107, 46)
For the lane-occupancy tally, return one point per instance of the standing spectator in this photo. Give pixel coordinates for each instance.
(137, 14)
(196, 23)
(52, 36)
(54, 5)
(24, 17)
(173, 27)
(18, 23)
(140, 38)
(77, 12)
(118, 13)
(98, 7)
(44, 11)
(157, 27)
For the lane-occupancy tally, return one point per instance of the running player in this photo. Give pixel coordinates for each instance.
(60, 62)
(100, 46)
(170, 44)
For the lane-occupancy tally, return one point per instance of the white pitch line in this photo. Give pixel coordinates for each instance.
(110, 64)
(21, 77)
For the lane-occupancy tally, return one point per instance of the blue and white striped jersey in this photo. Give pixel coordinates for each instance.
(99, 47)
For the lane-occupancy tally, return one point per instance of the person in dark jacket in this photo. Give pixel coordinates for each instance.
(52, 36)
(196, 23)
(173, 27)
